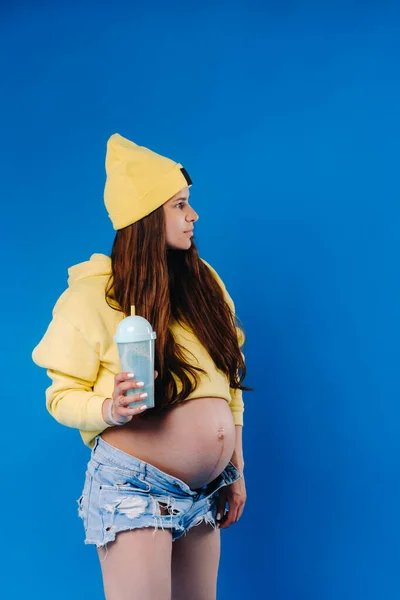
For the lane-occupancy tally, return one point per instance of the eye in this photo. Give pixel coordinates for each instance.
(180, 204)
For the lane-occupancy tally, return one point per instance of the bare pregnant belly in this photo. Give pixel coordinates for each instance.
(193, 441)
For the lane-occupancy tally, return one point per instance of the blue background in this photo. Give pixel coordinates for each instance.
(286, 116)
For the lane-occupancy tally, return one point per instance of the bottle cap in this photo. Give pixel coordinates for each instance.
(134, 329)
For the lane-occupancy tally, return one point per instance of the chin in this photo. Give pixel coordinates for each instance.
(184, 245)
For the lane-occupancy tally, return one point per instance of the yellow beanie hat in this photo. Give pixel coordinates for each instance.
(138, 181)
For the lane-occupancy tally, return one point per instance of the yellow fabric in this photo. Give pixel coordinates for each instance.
(82, 359)
(138, 181)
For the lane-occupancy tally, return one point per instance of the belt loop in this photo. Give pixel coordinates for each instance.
(96, 443)
(143, 469)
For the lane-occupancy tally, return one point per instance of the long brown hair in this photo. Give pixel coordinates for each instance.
(164, 283)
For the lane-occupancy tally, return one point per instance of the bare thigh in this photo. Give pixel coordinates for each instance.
(195, 562)
(137, 565)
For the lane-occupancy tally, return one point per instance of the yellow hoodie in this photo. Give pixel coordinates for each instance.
(82, 359)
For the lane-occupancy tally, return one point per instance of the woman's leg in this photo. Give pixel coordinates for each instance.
(195, 561)
(137, 566)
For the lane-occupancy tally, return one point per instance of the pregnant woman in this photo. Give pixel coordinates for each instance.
(161, 482)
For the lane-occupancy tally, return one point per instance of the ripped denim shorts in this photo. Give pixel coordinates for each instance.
(122, 492)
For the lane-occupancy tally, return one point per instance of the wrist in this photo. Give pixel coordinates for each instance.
(108, 415)
(104, 409)
(238, 463)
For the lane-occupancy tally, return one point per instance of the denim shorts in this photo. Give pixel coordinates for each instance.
(122, 492)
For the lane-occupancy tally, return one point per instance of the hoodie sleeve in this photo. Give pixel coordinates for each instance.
(72, 365)
(236, 404)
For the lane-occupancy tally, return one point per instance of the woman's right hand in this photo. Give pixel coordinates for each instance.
(119, 410)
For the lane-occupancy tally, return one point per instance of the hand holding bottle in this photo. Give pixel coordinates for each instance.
(118, 409)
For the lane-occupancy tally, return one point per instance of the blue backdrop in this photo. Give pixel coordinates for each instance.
(286, 116)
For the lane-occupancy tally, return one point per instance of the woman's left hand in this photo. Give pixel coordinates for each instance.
(235, 495)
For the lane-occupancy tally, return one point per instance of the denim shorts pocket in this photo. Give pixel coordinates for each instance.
(116, 479)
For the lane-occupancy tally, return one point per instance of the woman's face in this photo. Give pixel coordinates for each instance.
(179, 221)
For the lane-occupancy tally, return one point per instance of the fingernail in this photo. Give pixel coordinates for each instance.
(139, 384)
(218, 517)
(130, 375)
(143, 407)
(143, 395)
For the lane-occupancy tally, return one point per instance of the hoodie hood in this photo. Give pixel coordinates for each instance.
(99, 265)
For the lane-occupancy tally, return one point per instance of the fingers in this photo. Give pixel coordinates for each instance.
(123, 401)
(130, 412)
(121, 409)
(220, 508)
(230, 518)
(119, 377)
(128, 385)
(124, 415)
(239, 512)
(124, 382)
(225, 517)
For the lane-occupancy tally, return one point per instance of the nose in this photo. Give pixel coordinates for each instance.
(192, 216)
